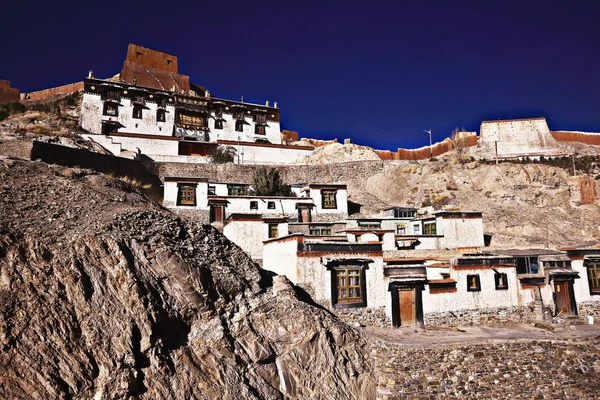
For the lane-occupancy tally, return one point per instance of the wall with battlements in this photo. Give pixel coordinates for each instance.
(7, 93)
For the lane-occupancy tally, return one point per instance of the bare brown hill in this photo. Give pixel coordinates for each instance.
(105, 295)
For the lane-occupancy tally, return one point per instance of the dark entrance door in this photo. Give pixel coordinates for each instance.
(561, 291)
(216, 213)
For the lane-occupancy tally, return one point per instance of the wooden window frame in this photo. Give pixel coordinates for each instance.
(161, 115)
(105, 109)
(218, 123)
(186, 195)
(254, 205)
(593, 275)
(369, 225)
(239, 125)
(237, 190)
(427, 228)
(260, 129)
(137, 112)
(270, 205)
(341, 283)
(498, 277)
(326, 199)
(273, 231)
(319, 231)
(473, 286)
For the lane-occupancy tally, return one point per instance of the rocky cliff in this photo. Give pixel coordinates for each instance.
(105, 295)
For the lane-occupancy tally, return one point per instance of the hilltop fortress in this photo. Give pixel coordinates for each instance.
(150, 108)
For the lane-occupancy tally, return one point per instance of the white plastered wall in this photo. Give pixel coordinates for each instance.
(341, 201)
(581, 286)
(272, 130)
(487, 297)
(460, 232)
(281, 257)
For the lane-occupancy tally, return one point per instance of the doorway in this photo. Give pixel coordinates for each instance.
(561, 294)
(407, 306)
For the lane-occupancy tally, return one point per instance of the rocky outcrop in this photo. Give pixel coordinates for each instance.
(106, 295)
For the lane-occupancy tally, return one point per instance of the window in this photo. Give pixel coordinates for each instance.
(212, 190)
(259, 130)
(237, 190)
(349, 286)
(186, 195)
(218, 124)
(429, 228)
(404, 213)
(273, 231)
(593, 270)
(161, 116)
(191, 119)
(271, 205)
(239, 125)
(473, 283)
(137, 112)
(328, 199)
(319, 231)
(369, 225)
(417, 229)
(527, 265)
(401, 229)
(260, 118)
(111, 109)
(501, 281)
(254, 205)
(111, 95)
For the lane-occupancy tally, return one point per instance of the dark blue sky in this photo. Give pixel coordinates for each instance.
(377, 72)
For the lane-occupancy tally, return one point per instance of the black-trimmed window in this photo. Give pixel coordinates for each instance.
(260, 129)
(328, 199)
(271, 205)
(186, 195)
(110, 109)
(369, 225)
(527, 265)
(349, 286)
(319, 231)
(237, 190)
(212, 190)
(137, 111)
(254, 205)
(161, 115)
(593, 271)
(239, 125)
(501, 281)
(218, 124)
(473, 283)
(260, 117)
(429, 228)
(273, 231)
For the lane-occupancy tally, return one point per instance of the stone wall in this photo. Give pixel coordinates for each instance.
(7, 93)
(578, 137)
(587, 189)
(529, 369)
(589, 308)
(489, 316)
(65, 89)
(365, 316)
(423, 153)
(327, 173)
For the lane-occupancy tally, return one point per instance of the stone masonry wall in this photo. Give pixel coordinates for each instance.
(490, 316)
(7, 93)
(589, 308)
(528, 369)
(365, 316)
(328, 173)
(66, 89)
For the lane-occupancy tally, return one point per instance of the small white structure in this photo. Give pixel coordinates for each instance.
(441, 230)
(249, 231)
